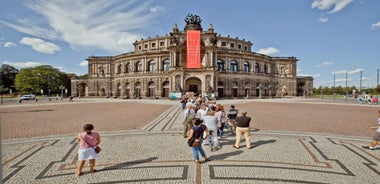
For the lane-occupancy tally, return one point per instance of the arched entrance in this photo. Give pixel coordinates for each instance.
(127, 90)
(220, 89)
(151, 89)
(194, 84)
(165, 90)
(137, 92)
(118, 90)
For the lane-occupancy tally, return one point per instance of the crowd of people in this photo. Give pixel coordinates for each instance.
(202, 118)
(199, 112)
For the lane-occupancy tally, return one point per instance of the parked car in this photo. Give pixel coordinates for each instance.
(28, 97)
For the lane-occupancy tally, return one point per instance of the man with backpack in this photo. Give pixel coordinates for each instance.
(189, 115)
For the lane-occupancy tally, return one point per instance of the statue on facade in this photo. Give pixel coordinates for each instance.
(193, 22)
(174, 40)
(193, 19)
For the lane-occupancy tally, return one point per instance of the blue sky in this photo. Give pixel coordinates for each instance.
(327, 36)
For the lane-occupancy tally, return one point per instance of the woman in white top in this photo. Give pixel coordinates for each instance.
(211, 122)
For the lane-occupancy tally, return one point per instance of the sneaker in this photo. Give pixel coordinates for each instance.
(368, 147)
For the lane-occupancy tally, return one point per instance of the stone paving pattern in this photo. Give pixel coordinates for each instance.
(295, 141)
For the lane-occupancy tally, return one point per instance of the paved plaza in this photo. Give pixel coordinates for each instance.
(294, 141)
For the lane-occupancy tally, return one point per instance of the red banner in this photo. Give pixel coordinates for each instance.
(193, 49)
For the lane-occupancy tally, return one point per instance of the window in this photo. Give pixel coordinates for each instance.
(139, 47)
(232, 45)
(128, 68)
(245, 48)
(118, 69)
(224, 43)
(162, 44)
(146, 46)
(152, 66)
(239, 46)
(166, 65)
(257, 68)
(220, 65)
(246, 67)
(233, 67)
(153, 44)
(139, 66)
(265, 68)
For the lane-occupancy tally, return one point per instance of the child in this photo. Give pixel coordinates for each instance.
(376, 136)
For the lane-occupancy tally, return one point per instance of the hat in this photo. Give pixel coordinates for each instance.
(244, 112)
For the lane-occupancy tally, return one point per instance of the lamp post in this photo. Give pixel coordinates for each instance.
(346, 87)
(334, 88)
(1, 85)
(377, 84)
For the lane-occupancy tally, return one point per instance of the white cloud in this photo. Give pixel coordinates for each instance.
(83, 63)
(335, 5)
(323, 19)
(348, 72)
(355, 71)
(268, 51)
(20, 65)
(326, 63)
(376, 25)
(101, 24)
(40, 45)
(9, 44)
(340, 72)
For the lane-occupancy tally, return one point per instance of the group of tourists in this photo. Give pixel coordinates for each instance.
(200, 122)
(203, 119)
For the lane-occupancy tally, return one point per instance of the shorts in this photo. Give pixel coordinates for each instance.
(376, 136)
(87, 154)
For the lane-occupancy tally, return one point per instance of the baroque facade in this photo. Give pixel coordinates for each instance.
(157, 68)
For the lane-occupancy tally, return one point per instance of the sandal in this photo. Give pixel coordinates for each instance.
(78, 174)
(235, 147)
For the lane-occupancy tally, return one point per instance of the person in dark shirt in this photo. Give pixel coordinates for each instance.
(232, 115)
(242, 128)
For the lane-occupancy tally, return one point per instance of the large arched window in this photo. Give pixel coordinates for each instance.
(220, 65)
(246, 67)
(118, 69)
(152, 66)
(257, 68)
(233, 67)
(265, 68)
(166, 65)
(139, 66)
(128, 68)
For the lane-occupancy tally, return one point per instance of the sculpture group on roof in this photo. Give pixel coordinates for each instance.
(193, 19)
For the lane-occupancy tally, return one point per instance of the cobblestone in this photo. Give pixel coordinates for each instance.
(294, 141)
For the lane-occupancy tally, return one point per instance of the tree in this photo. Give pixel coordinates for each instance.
(43, 79)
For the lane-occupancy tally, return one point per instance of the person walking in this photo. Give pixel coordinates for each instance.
(88, 141)
(189, 115)
(232, 115)
(197, 132)
(376, 135)
(242, 128)
(211, 122)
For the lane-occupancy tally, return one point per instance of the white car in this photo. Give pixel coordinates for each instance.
(28, 97)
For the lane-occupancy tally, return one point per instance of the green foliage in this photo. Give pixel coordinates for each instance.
(45, 77)
(339, 90)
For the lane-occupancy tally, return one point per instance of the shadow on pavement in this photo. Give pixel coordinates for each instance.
(129, 163)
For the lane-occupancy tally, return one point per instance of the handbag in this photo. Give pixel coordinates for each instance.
(96, 148)
(196, 143)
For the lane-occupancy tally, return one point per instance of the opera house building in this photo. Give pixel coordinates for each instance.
(192, 60)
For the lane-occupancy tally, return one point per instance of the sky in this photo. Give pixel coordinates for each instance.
(328, 37)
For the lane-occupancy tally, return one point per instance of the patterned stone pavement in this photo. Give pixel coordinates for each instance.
(157, 153)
